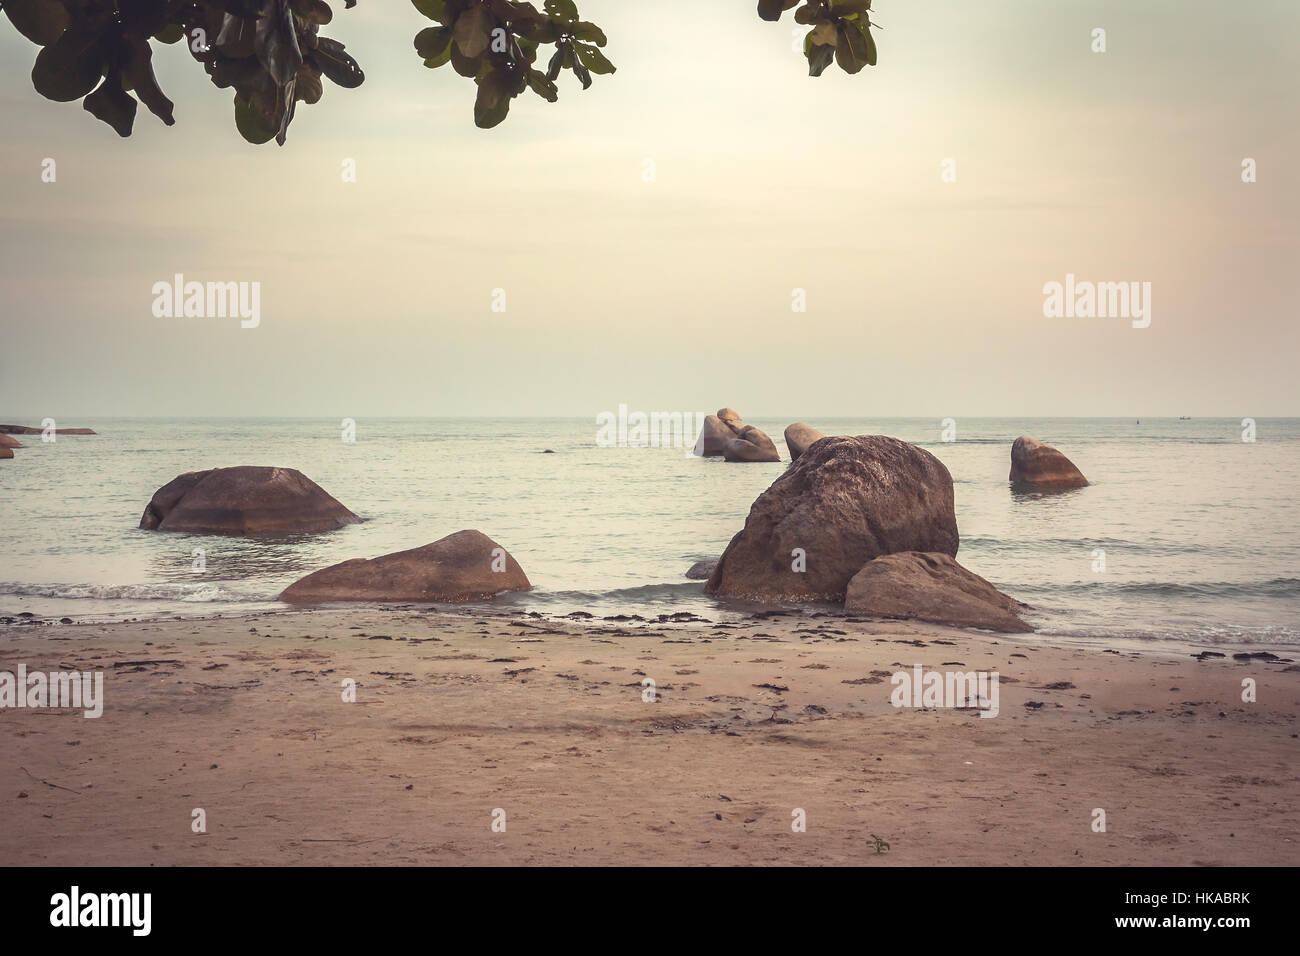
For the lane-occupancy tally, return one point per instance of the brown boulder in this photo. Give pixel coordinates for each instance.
(244, 500)
(714, 436)
(8, 442)
(1035, 465)
(6, 451)
(460, 567)
(931, 587)
(798, 437)
(845, 501)
(729, 416)
(738, 449)
(700, 570)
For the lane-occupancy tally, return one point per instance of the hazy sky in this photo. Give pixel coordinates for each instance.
(924, 297)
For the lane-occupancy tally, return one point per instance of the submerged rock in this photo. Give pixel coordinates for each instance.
(931, 587)
(465, 566)
(243, 500)
(700, 570)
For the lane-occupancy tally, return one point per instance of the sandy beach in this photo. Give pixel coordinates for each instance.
(457, 716)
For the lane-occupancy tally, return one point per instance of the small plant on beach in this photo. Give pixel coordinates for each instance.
(270, 52)
(880, 845)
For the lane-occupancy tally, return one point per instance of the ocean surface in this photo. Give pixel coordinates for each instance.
(1199, 529)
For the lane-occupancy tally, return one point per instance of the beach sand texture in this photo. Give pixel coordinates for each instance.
(459, 715)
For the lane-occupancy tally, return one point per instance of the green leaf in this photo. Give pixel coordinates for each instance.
(433, 9)
(467, 66)
(471, 31)
(313, 11)
(70, 67)
(557, 63)
(250, 124)
(338, 66)
(432, 42)
(593, 59)
(870, 41)
(820, 57)
(580, 71)
(825, 34)
(585, 30)
(492, 104)
(542, 86)
(566, 11)
(772, 9)
(41, 21)
(173, 33)
(139, 76)
(850, 48)
(307, 85)
(112, 104)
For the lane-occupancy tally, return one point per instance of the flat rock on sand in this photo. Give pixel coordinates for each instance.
(465, 566)
(1035, 465)
(931, 587)
(244, 500)
(845, 501)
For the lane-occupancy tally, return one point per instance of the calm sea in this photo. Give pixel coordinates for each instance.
(1199, 529)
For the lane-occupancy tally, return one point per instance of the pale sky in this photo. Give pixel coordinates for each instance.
(924, 297)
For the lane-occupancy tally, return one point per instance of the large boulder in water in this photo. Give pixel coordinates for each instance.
(931, 587)
(1035, 465)
(751, 444)
(6, 451)
(244, 500)
(727, 435)
(845, 501)
(714, 436)
(8, 442)
(465, 566)
(798, 437)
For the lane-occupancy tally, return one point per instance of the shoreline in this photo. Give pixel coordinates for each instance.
(731, 614)
(460, 714)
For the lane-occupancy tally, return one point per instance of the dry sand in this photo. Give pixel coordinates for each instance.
(456, 716)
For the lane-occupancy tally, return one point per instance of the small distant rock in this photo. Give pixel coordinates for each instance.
(1035, 465)
(700, 570)
(29, 430)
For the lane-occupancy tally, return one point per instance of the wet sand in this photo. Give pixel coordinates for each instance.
(458, 716)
